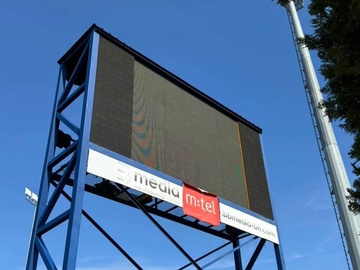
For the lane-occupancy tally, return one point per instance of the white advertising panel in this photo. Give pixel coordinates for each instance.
(114, 170)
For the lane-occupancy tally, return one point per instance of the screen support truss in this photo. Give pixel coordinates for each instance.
(73, 83)
(77, 80)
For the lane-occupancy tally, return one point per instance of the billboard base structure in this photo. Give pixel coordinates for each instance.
(73, 160)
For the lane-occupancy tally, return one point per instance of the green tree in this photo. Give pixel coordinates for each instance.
(336, 38)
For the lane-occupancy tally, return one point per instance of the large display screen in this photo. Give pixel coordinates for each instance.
(146, 114)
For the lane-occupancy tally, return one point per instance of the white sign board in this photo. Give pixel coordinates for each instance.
(114, 170)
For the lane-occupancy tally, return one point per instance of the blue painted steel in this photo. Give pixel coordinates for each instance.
(278, 250)
(79, 47)
(45, 215)
(229, 252)
(63, 83)
(79, 149)
(68, 123)
(53, 223)
(50, 265)
(60, 157)
(237, 255)
(45, 180)
(206, 255)
(279, 257)
(147, 214)
(103, 232)
(71, 98)
(255, 254)
(73, 233)
(74, 75)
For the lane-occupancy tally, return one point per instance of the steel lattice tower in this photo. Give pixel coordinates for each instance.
(328, 147)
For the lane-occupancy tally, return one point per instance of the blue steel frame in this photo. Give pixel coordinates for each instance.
(277, 247)
(73, 159)
(77, 152)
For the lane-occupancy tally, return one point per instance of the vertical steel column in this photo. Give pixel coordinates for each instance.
(337, 172)
(72, 238)
(279, 257)
(237, 255)
(280, 261)
(77, 151)
(33, 252)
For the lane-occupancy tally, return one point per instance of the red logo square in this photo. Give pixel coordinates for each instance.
(201, 205)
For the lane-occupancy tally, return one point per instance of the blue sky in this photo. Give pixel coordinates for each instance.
(240, 53)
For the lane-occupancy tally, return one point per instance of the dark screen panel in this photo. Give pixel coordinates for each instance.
(111, 125)
(142, 115)
(178, 134)
(255, 172)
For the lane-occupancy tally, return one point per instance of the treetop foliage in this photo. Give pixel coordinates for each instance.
(336, 38)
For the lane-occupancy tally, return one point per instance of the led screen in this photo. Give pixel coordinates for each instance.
(148, 115)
